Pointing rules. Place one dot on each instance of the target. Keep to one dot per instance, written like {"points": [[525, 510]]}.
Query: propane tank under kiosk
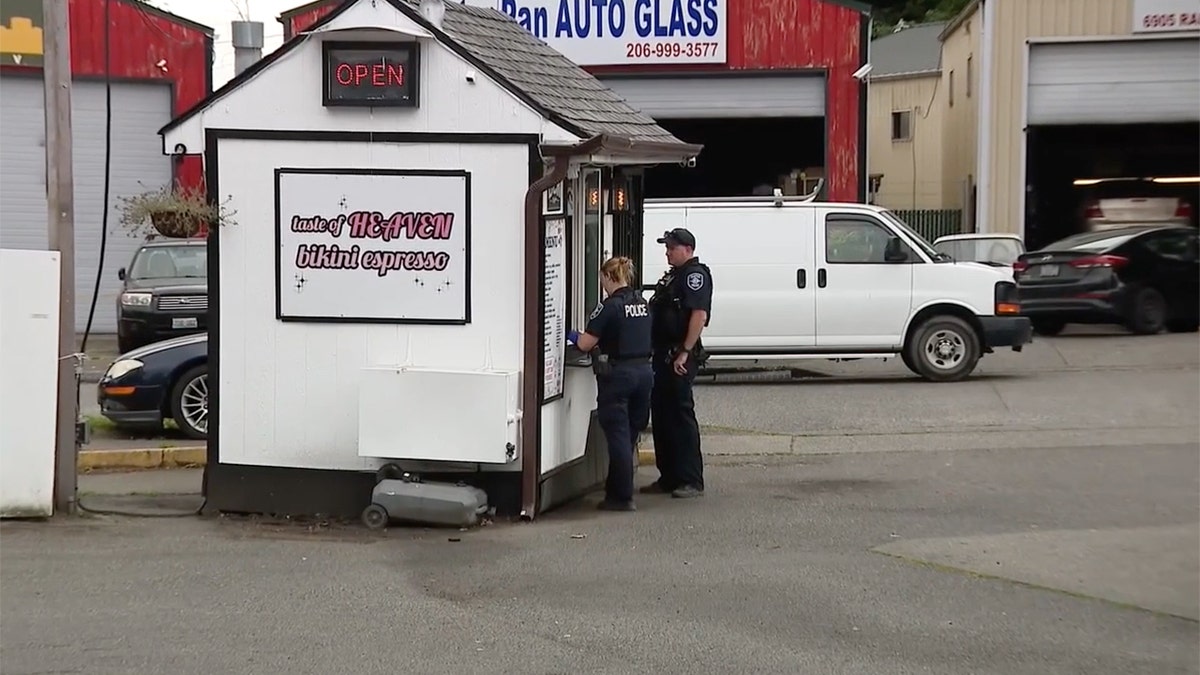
{"points": [[409, 365]]}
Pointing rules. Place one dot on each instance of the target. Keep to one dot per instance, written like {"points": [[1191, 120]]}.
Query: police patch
{"points": [[695, 281], [596, 312]]}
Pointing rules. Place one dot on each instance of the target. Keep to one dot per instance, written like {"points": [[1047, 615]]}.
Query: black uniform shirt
{"points": [[695, 286], [622, 324], [681, 290]]}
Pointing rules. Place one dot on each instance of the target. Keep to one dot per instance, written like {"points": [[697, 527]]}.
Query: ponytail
{"points": [[618, 269]]}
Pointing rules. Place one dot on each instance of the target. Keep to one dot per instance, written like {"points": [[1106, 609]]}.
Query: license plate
{"points": [[183, 322], [1049, 270]]}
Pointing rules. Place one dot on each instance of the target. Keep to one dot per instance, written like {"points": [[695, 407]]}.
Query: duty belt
{"points": [[642, 358]]}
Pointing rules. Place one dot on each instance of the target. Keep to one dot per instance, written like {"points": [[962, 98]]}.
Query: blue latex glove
{"points": [[573, 337]]}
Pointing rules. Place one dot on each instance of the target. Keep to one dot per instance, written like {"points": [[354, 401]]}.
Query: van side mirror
{"points": [[121, 274], [894, 251]]}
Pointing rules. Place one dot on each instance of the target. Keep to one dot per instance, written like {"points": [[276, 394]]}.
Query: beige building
{"points": [[1040, 99], [906, 121]]}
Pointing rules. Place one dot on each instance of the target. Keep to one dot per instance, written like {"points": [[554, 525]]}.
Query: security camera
{"points": [[471, 76], [689, 163], [862, 73]]}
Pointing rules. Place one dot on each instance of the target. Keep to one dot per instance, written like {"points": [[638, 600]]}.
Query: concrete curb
{"points": [[143, 458]]}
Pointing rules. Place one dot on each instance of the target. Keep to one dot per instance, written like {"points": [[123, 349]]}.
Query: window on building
{"points": [[950, 86], [902, 125], [970, 73]]}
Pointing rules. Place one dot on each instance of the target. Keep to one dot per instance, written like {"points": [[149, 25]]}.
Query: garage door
{"points": [[138, 164], [721, 97], [1124, 82]]}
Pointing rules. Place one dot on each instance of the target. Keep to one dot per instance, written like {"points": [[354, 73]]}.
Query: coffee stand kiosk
{"points": [[421, 195]]}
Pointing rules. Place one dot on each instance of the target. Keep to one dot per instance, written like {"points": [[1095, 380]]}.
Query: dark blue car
{"points": [[167, 379]]}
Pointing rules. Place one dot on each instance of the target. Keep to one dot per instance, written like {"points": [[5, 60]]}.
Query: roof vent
{"points": [[433, 11]]}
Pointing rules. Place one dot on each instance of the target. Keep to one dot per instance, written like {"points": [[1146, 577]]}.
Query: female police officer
{"points": [[620, 328]]}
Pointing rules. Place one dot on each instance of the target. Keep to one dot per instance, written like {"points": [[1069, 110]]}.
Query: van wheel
{"points": [[943, 349]]}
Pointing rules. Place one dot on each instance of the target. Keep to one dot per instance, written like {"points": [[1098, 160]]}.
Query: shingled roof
{"points": [[529, 68], [548, 77]]}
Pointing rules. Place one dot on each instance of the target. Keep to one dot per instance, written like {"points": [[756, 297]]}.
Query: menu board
{"points": [[554, 329]]}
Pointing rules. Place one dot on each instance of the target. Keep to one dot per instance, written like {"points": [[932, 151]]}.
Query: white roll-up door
{"points": [[138, 164], [1115, 82], [723, 96]]}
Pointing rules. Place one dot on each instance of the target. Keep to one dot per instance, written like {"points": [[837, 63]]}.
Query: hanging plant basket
{"points": [[171, 212], [174, 224]]}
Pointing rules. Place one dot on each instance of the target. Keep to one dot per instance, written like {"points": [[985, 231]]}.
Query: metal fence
{"points": [[933, 223]]}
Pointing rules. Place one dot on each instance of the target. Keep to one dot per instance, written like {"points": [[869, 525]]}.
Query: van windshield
{"points": [[920, 241]]}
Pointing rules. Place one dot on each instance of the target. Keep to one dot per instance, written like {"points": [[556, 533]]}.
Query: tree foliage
{"points": [[889, 13]]}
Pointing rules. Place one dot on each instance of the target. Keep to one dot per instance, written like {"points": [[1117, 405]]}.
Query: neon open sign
{"points": [[374, 74]]}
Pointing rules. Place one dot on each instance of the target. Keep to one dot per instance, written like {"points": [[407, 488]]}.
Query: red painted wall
{"points": [[139, 37], [769, 35], [296, 20]]}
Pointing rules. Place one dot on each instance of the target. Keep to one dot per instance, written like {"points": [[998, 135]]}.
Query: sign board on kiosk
{"points": [[372, 74], [624, 32], [347, 237]]}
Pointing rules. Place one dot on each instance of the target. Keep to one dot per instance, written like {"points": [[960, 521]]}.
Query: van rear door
{"points": [[762, 263]]}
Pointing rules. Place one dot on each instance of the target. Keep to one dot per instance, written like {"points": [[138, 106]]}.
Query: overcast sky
{"points": [[219, 13]]}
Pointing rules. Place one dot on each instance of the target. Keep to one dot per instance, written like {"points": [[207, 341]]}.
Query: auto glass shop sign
{"points": [[624, 32]]}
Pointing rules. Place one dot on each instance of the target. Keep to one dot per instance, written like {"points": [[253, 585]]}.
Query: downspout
{"points": [[531, 409], [983, 123]]}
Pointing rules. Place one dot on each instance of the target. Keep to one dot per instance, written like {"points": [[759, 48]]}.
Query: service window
{"points": [[593, 215], [860, 240], [587, 213]]}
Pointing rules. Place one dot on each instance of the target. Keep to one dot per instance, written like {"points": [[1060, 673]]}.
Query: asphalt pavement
{"points": [[1041, 517], [830, 564]]}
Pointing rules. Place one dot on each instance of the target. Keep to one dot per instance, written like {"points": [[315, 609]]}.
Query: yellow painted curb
{"points": [[143, 458]]}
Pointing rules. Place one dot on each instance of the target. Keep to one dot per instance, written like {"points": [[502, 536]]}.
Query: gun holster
{"points": [[601, 365]]}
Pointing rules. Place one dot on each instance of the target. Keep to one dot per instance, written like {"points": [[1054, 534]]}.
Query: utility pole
{"points": [[60, 211]]}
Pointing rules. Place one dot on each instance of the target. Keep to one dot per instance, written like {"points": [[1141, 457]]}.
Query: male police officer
{"points": [[679, 310]]}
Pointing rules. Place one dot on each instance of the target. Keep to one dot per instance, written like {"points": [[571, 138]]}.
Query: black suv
{"points": [[164, 294]]}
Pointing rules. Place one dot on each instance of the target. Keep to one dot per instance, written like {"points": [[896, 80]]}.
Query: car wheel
{"points": [[189, 402], [1148, 312], [1048, 327], [1183, 325], [944, 349]]}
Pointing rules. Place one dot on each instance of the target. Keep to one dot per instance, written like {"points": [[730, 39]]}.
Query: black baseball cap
{"points": [[678, 237]]}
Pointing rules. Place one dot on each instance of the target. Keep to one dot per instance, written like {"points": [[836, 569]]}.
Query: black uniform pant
{"points": [[676, 431], [623, 409]]}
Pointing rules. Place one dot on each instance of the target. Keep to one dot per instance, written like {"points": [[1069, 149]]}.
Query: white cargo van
{"points": [[795, 279]]}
